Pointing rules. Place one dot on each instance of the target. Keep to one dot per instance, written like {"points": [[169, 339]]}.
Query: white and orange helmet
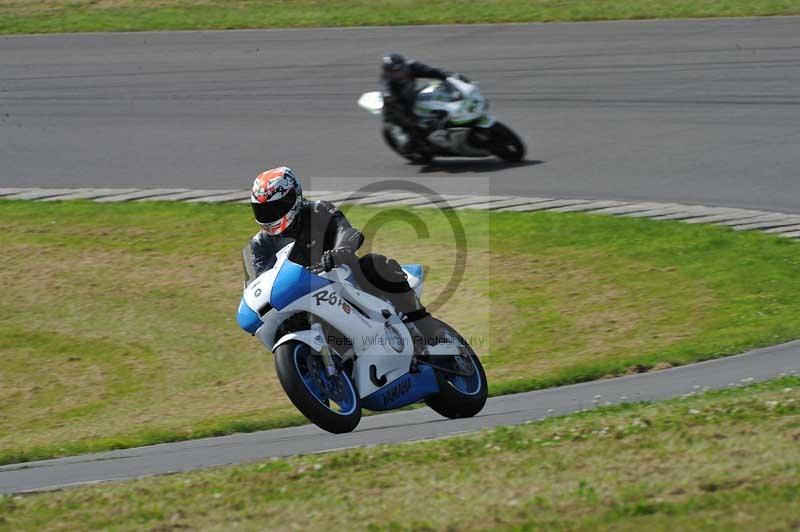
{"points": [[276, 199]]}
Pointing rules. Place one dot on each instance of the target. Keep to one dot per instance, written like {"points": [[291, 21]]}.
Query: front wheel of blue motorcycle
{"points": [[329, 401], [463, 388]]}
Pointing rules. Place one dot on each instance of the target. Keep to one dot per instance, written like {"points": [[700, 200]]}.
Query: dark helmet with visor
{"points": [[394, 67]]}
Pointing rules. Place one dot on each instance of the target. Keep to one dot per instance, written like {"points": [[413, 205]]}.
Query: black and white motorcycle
{"points": [[465, 129]]}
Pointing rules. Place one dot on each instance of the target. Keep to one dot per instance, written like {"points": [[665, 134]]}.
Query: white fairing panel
{"points": [[379, 336], [257, 293], [461, 101], [372, 102], [312, 339], [414, 281]]}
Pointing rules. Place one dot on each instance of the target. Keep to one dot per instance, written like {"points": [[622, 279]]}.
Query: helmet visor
{"points": [[272, 211]]}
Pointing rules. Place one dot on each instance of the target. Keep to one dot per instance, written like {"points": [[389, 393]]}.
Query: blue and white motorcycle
{"points": [[339, 349]]}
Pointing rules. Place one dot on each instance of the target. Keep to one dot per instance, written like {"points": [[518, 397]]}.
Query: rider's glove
{"points": [[334, 257], [327, 262], [462, 77]]}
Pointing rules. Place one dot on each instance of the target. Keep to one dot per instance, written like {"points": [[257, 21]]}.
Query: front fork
{"points": [[325, 351]]}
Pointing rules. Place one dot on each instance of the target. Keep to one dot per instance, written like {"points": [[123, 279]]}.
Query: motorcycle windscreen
{"points": [[293, 282]]}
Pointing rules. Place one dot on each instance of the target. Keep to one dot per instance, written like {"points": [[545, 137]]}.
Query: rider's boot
{"points": [[425, 331], [414, 147]]}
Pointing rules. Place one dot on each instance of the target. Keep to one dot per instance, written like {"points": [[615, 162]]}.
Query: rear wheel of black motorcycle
{"points": [[458, 396], [506, 144], [330, 402]]}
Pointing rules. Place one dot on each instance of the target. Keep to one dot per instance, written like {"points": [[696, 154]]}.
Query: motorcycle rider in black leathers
{"points": [[325, 239], [398, 87]]}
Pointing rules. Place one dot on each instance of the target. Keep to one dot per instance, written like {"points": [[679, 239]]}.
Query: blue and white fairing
{"points": [[381, 343], [414, 276]]}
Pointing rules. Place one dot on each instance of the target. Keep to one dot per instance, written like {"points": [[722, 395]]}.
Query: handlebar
{"points": [[316, 269], [340, 253]]}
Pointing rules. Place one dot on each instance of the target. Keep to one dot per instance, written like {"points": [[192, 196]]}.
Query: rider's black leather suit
{"points": [[319, 227], [399, 97]]}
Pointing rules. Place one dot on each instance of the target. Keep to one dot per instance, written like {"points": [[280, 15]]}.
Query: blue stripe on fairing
{"points": [[413, 269], [247, 318], [408, 389], [293, 282]]}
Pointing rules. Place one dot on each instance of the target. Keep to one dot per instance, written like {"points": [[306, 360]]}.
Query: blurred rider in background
{"points": [[324, 239], [398, 86]]}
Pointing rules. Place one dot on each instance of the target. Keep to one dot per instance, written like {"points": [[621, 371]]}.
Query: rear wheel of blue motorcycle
{"points": [[330, 402], [459, 396]]}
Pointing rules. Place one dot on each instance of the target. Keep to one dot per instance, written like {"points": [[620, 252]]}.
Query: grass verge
{"points": [[720, 461], [46, 16], [117, 322]]}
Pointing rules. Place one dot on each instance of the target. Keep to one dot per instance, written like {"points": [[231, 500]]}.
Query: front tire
{"points": [[459, 396], [506, 144], [417, 158], [330, 402]]}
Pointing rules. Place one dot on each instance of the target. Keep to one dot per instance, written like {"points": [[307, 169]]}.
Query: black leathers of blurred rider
{"points": [[399, 95]]}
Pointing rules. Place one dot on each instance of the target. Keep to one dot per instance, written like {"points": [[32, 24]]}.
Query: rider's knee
{"points": [[384, 273]]}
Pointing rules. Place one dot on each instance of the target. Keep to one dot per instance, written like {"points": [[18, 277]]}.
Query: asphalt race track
{"points": [[699, 112], [704, 111], [400, 426]]}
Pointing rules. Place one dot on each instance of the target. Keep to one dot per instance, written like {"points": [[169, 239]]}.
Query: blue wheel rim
{"points": [[472, 384], [335, 392], [466, 385]]}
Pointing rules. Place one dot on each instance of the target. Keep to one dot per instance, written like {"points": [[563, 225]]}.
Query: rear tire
{"points": [[304, 379], [459, 397], [506, 144]]}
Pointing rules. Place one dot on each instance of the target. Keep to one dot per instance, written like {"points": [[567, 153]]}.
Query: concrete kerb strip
{"points": [[590, 206], [92, 194], [543, 205], [731, 216], [140, 194], [630, 208], [39, 193], [505, 204], [787, 229], [239, 195], [782, 224], [767, 224], [188, 195]]}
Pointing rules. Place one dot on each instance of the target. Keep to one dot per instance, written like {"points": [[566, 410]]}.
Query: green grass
{"points": [[45, 16], [117, 322], [719, 461]]}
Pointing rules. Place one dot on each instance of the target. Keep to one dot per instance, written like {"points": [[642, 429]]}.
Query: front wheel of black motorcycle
{"points": [[462, 392], [506, 144], [329, 401], [421, 159]]}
